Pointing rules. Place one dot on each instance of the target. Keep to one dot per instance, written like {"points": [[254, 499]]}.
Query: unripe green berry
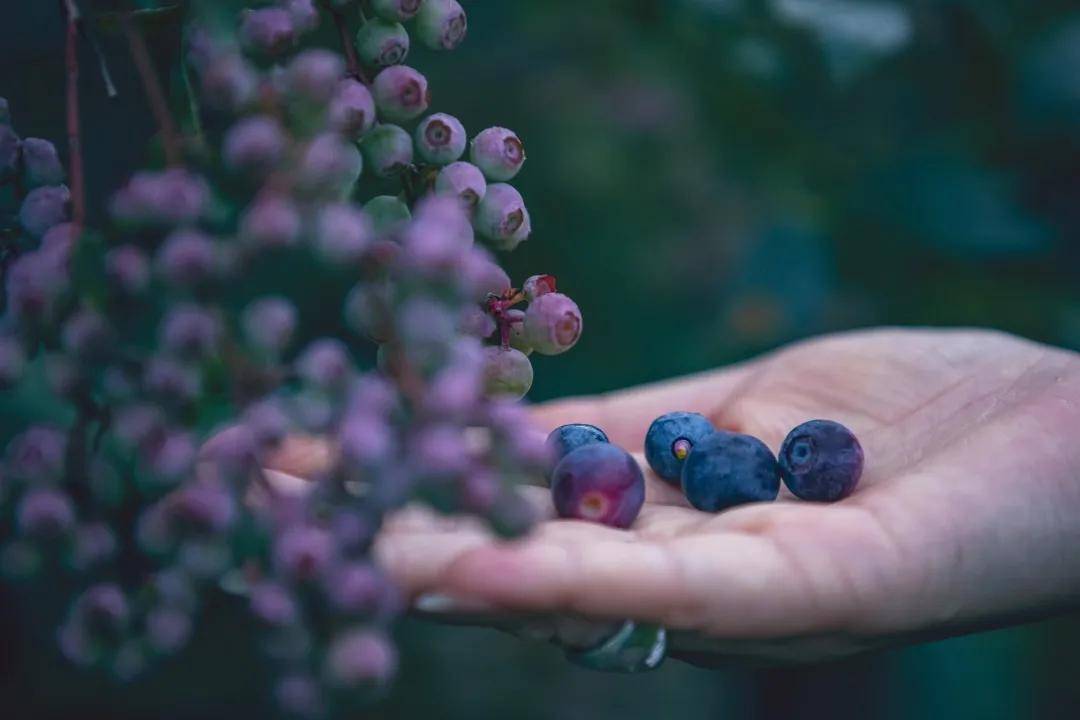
{"points": [[387, 213], [388, 150], [440, 139], [441, 24], [396, 10], [382, 43], [507, 372], [401, 93]]}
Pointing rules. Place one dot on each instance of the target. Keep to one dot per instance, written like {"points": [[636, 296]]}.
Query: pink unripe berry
{"points": [[382, 43], [187, 257], [498, 153], [127, 269], [352, 111], [388, 150], [440, 139], [401, 93], [464, 180], [361, 657], [272, 221], [325, 363], [481, 276], [343, 234], [507, 372], [538, 285], [267, 31], [441, 24], [41, 164], [269, 323], [501, 216], [552, 324], [313, 75], [396, 10], [170, 197], [255, 145], [329, 167]]}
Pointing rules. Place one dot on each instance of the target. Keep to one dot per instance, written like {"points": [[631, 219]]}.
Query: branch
{"points": [[170, 138], [351, 60], [78, 183]]}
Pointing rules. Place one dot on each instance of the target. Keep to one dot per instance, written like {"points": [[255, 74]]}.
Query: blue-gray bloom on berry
{"points": [[498, 153], [669, 440], [727, 469], [821, 460], [440, 139], [382, 43], [441, 24]]}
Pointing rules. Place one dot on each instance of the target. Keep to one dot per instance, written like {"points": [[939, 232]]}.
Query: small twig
{"points": [[103, 65], [193, 103], [352, 61], [78, 184], [170, 138]]}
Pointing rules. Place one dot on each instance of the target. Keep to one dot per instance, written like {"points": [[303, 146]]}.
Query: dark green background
{"points": [[708, 179]]}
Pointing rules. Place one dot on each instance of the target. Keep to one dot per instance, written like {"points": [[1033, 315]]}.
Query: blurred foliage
{"points": [[709, 179]]}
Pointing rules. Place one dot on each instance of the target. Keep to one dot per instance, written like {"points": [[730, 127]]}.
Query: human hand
{"points": [[966, 515]]}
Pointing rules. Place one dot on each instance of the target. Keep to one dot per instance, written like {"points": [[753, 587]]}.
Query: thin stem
{"points": [[103, 65], [352, 61], [74, 132], [170, 138], [193, 103]]}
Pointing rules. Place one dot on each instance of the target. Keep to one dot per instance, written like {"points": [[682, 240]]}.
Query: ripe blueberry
{"points": [[565, 439], [599, 482], [727, 469], [821, 460], [670, 439]]}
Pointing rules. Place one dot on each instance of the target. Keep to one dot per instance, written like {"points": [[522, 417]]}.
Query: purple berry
{"points": [[477, 322], [598, 482], [552, 324], [361, 657], [727, 469], [343, 234], [86, 335], [498, 152], [507, 372], [352, 111], [329, 167], [170, 197], [41, 164], [127, 269], [36, 455], [501, 216], [191, 332], [463, 180], [268, 31], [95, 544], [367, 311], [396, 10], [10, 151], [172, 458], [228, 82], [35, 282], [481, 276], [357, 589], [304, 14], [401, 93], [565, 439], [440, 139], [382, 43], [821, 461], [325, 363], [187, 257], [388, 150], [254, 145], [43, 208], [272, 604], [669, 440], [313, 76], [269, 323], [441, 24], [303, 553], [171, 381], [167, 629], [45, 515], [538, 285], [299, 696], [272, 221]]}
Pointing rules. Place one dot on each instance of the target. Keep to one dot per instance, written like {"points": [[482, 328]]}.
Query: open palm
{"points": [[966, 515]]}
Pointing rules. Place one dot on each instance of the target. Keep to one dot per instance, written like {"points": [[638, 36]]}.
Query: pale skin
{"points": [[967, 515]]}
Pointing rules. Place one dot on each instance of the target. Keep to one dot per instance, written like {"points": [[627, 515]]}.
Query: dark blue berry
{"points": [[727, 469], [565, 439], [670, 439], [821, 460], [601, 483]]}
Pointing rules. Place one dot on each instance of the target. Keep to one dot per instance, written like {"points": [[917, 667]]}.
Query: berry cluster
{"points": [[160, 334], [593, 480]]}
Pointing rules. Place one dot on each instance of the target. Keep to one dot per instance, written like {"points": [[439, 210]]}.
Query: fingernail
{"points": [[441, 604]]}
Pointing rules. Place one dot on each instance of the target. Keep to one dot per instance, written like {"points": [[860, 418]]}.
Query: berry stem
{"points": [[193, 101], [154, 94], [352, 61], [78, 184]]}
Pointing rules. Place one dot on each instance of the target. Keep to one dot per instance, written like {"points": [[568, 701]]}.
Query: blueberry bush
{"points": [[178, 355]]}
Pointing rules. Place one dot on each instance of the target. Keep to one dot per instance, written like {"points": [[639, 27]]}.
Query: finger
{"points": [[626, 414]]}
